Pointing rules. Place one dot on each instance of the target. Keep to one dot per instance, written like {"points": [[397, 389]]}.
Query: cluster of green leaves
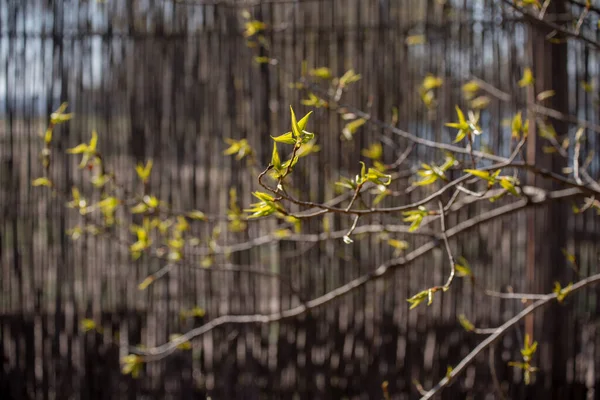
{"points": [[508, 183], [518, 127], [430, 173], [132, 364], [527, 353], [241, 148], [415, 217], [351, 127], [372, 175], [562, 292], [466, 128], [87, 150], [266, 206], [420, 297], [298, 135], [471, 91], [427, 89]]}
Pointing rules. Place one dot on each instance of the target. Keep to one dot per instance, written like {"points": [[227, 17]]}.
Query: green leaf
{"points": [[322, 73], [517, 125], [253, 27], [509, 186], [462, 268], [79, 149], [296, 131], [348, 78], [41, 182], [352, 127], [415, 217], [87, 325], [480, 174], [460, 135], [432, 82], [398, 244], [527, 79], [480, 103], [561, 293], [132, 365], [427, 180], [302, 123], [58, 116], [374, 151], [414, 40], [363, 170], [93, 142], [461, 116], [262, 60], [470, 89], [275, 160], [197, 215], [143, 171], [377, 177], [529, 348], [465, 323], [421, 297], [287, 138]]}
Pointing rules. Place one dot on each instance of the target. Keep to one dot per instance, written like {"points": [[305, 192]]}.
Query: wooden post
{"points": [[546, 227]]}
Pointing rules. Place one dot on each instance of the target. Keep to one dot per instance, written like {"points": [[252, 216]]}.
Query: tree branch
{"points": [[499, 332]]}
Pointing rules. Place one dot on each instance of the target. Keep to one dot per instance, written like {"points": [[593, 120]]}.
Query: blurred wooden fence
{"points": [[169, 80]]}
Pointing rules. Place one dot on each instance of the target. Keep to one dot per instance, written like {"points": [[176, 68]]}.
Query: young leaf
{"points": [[470, 89], [287, 138], [480, 174], [432, 82], [275, 160], [527, 79], [352, 127], [377, 177], [197, 215], [322, 73], [465, 323], [414, 40], [419, 298], [41, 182], [462, 268]]}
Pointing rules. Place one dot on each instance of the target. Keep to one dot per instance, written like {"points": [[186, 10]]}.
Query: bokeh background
{"points": [[169, 81]]}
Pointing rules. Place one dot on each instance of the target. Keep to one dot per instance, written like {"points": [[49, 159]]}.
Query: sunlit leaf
{"points": [[527, 79], [352, 127], [322, 73], [41, 182], [465, 323], [414, 40], [546, 94]]}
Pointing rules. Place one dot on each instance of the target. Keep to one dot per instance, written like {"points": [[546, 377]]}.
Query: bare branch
{"points": [[501, 331]]}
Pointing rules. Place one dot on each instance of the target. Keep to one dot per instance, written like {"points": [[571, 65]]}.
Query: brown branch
{"points": [[501, 331]]}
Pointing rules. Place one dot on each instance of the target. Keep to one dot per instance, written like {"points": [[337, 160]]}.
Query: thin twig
{"points": [[492, 364], [447, 245]]}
